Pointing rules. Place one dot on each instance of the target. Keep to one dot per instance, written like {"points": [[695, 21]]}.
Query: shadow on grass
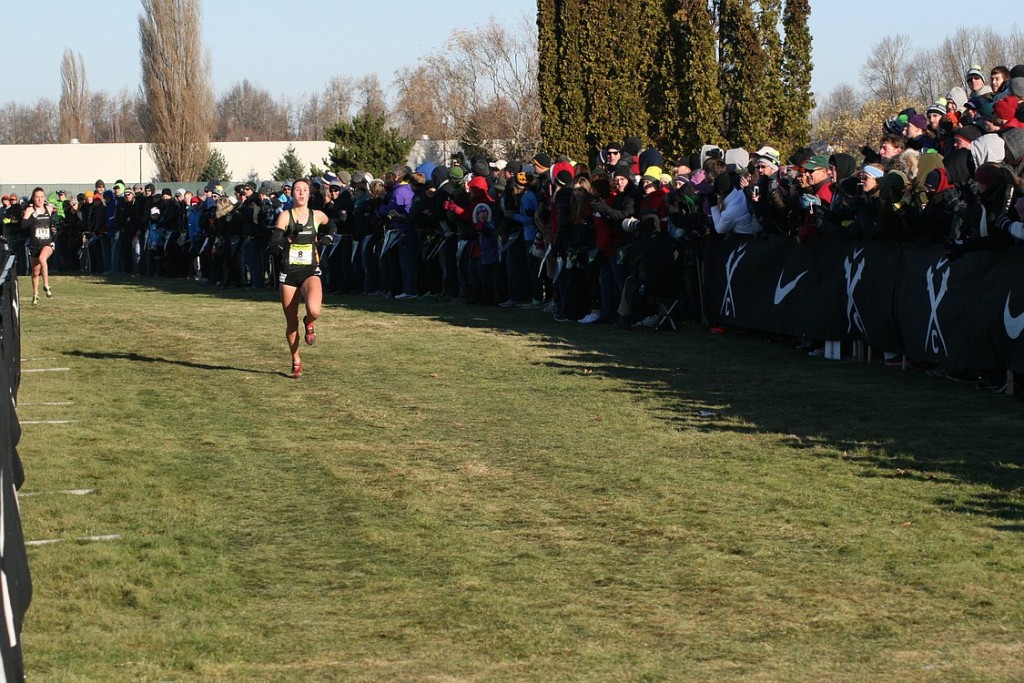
{"points": [[890, 422], [139, 358]]}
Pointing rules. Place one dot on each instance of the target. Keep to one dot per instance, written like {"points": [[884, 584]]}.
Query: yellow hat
{"points": [[653, 173]]}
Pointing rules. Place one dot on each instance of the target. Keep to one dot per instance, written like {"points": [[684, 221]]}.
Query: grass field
{"points": [[465, 494]]}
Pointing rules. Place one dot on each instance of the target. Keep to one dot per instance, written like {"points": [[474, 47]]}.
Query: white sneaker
{"points": [[406, 296], [650, 321], [590, 318]]}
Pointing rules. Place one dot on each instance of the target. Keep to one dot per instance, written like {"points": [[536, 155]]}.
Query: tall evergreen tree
{"points": [[692, 31], [690, 76], [661, 95], [768, 18], [553, 100], [594, 88], [794, 123], [742, 75]]}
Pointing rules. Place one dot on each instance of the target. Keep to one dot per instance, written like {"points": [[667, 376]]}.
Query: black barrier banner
{"points": [[966, 313], [869, 280], [15, 580], [825, 289]]}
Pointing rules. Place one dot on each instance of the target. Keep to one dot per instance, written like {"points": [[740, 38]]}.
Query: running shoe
{"points": [[35, 299], [296, 370], [310, 332], [49, 294]]}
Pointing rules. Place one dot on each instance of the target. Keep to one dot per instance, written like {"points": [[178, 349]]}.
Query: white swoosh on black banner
{"points": [[781, 292], [857, 253], [1014, 324]]}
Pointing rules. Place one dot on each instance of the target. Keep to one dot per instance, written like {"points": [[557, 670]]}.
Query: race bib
{"points": [[42, 233], [300, 255]]}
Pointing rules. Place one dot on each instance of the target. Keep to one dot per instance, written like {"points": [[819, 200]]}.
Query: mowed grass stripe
{"points": [[455, 493]]}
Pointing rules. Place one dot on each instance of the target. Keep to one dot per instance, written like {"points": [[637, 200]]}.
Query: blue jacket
{"points": [[527, 207]]}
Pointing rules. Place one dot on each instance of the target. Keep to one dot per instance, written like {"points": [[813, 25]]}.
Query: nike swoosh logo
{"points": [[857, 253], [781, 292], [942, 262], [1014, 324]]}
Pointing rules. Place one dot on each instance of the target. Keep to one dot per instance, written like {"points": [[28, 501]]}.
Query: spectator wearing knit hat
{"points": [[767, 201], [612, 156], [853, 213], [976, 86], [935, 113], [1004, 114], [918, 135]]}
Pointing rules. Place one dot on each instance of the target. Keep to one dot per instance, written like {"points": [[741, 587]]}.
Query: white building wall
{"points": [[75, 167], [68, 165]]}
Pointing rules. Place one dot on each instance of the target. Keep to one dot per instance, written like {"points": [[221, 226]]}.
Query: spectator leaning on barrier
{"points": [[731, 212], [817, 192], [397, 211], [513, 236]]}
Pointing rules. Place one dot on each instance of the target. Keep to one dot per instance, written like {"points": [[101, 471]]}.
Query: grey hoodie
{"points": [[958, 95]]}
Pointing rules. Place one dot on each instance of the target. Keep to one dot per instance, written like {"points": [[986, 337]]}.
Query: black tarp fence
{"points": [[15, 581], [912, 299]]}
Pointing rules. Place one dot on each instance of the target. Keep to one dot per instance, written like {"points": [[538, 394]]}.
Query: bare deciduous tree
{"points": [[848, 126], [417, 111], [321, 109], [74, 98], [178, 113], [484, 81], [967, 47], [1013, 47], [115, 119], [247, 111], [370, 98], [929, 79], [885, 73], [29, 124]]}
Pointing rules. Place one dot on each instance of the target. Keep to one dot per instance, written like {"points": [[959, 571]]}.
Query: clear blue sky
{"points": [[355, 38]]}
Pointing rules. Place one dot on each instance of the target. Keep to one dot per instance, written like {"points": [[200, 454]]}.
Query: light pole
{"points": [[140, 163]]}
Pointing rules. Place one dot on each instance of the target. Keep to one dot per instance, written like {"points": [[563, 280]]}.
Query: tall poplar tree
{"points": [[178, 100], [742, 75], [794, 112], [768, 18], [686, 75], [692, 30], [74, 98]]}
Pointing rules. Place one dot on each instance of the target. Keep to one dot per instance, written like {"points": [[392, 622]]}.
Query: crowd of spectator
{"points": [[593, 242]]}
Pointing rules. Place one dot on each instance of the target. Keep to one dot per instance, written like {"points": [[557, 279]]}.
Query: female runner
{"points": [[38, 221], [296, 235]]}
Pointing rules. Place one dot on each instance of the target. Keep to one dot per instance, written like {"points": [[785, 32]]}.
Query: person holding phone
{"points": [[38, 222]]}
